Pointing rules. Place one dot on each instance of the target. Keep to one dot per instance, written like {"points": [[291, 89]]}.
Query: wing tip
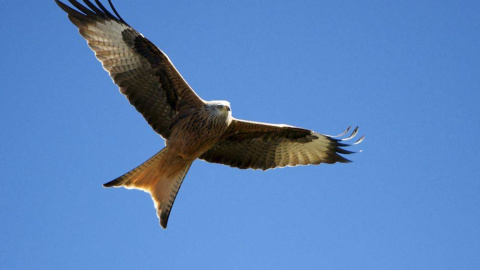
{"points": [[90, 10], [343, 160], [339, 142]]}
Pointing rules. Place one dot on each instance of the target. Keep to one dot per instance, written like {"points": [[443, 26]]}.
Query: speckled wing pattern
{"points": [[143, 72], [265, 146]]}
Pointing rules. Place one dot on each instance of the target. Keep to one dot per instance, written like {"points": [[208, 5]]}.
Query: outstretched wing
{"points": [[143, 72], [265, 146]]}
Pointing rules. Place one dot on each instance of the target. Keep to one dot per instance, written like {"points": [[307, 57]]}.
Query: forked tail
{"points": [[161, 176]]}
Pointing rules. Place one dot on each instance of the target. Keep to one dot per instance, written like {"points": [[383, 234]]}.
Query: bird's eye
{"points": [[228, 109]]}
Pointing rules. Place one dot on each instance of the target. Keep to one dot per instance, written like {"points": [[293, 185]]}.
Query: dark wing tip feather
{"points": [[339, 144], [83, 12], [107, 13], [93, 7], [342, 159], [341, 134], [354, 133], [116, 13], [81, 7], [345, 152], [359, 140], [70, 11]]}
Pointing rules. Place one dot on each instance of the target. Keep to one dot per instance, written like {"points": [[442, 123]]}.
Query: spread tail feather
{"points": [[136, 177], [161, 176], [164, 193]]}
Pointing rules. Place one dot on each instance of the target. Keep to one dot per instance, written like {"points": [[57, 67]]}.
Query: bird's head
{"points": [[220, 107]]}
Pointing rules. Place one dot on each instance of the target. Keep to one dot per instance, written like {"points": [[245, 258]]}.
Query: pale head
{"points": [[220, 108]]}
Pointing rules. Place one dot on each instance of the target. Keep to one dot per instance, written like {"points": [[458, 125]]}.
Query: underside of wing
{"points": [[265, 146], [143, 72]]}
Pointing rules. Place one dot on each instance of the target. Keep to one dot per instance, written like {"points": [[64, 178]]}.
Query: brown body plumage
{"points": [[193, 128]]}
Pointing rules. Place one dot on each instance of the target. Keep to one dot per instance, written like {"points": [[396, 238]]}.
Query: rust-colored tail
{"points": [[161, 176]]}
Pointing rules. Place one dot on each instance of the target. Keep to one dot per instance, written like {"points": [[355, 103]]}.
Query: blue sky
{"points": [[406, 72]]}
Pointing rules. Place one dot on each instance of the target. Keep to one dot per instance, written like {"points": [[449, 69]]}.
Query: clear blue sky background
{"points": [[406, 72]]}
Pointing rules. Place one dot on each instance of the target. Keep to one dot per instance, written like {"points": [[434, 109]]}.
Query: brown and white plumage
{"points": [[143, 72], [193, 128], [265, 146]]}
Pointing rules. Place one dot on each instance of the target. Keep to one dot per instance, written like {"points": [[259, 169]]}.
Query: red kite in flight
{"points": [[192, 127]]}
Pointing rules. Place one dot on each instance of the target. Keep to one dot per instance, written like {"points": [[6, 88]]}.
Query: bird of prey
{"points": [[192, 127]]}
